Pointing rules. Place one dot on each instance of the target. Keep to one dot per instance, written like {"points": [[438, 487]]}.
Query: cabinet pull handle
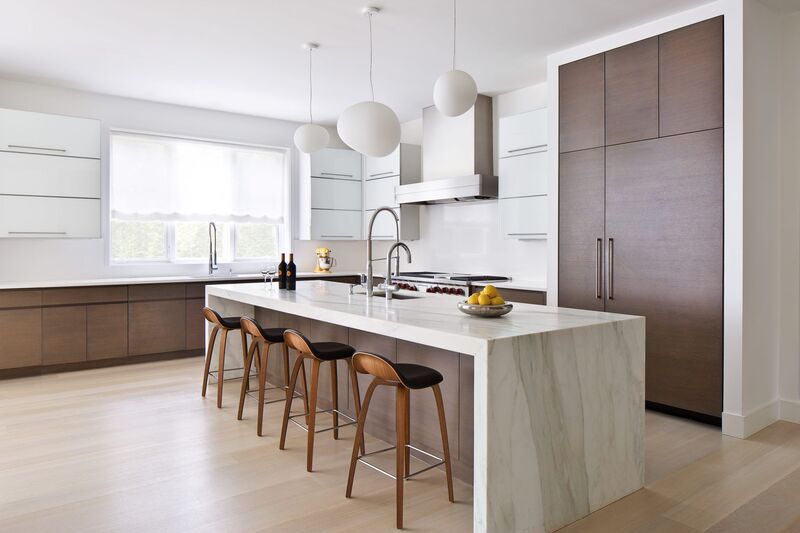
{"points": [[334, 174], [336, 236], [526, 233], [36, 148], [526, 148], [599, 269], [610, 269], [381, 174], [37, 232]]}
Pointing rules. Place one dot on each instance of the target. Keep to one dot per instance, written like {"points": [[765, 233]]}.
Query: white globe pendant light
{"points": [[454, 92], [311, 137], [370, 127]]}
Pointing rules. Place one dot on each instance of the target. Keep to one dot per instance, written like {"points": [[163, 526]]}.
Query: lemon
{"points": [[490, 291], [483, 299], [498, 300], [473, 299]]}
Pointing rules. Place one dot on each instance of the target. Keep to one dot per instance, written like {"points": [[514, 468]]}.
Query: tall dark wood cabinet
{"points": [[641, 217]]}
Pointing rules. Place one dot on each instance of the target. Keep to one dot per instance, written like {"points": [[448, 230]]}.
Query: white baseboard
{"points": [[790, 410], [742, 426]]}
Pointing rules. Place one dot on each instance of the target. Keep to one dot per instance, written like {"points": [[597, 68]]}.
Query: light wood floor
{"points": [[135, 448]]}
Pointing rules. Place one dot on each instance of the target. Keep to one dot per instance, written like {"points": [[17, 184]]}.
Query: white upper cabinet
{"points": [[336, 163], [525, 175], [31, 174], [49, 218], [381, 167], [524, 218], [335, 225], [40, 133], [335, 194], [523, 133], [380, 192]]}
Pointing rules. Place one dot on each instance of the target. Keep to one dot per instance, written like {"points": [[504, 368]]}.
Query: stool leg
{"points": [[207, 368], [263, 356], [221, 368], [335, 399], [400, 424], [244, 345], [312, 415], [356, 395], [285, 352], [358, 442], [305, 387], [246, 378], [407, 458], [437, 393], [288, 406]]}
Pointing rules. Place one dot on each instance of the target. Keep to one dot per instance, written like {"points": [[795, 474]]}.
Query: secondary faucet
{"points": [[369, 246], [387, 284], [212, 248]]}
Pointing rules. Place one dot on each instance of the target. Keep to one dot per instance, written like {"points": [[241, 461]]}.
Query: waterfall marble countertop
{"points": [[558, 406], [430, 319]]}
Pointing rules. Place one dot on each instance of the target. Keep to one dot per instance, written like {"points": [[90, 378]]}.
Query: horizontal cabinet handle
{"points": [[336, 236], [526, 148], [334, 174], [36, 148], [526, 234], [37, 232], [382, 174]]}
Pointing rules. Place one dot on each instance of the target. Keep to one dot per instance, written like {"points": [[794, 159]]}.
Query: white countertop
{"points": [[152, 279], [432, 320]]}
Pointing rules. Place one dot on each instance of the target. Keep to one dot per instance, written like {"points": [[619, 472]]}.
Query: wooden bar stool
{"points": [[225, 325], [261, 340], [318, 353], [405, 377]]}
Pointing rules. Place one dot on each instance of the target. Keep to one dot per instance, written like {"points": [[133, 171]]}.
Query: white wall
{"points": [[467, 238], [789, 370], [43, 259]]}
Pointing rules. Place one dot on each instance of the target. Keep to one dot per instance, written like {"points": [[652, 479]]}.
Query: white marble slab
{"points": [[559, 394]]}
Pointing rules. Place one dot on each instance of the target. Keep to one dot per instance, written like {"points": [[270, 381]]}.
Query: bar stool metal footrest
{"points": [[361, 460], [352, 422]]}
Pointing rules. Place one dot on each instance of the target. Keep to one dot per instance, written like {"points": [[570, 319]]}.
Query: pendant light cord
{"points": [[454, 34], [310, 88], [371, 85]]}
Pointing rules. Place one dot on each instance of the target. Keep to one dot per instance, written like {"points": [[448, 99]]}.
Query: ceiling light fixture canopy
{"points": [[370, 127], [311, 137], [454, 92]]}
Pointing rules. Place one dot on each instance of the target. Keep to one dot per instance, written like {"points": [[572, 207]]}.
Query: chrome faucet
{"points": [[387, 284], [369, 247], [212, 248]]}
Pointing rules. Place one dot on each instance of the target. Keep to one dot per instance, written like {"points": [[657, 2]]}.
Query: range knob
{"points": [[429, 289], [437, 290], [460, 292]]}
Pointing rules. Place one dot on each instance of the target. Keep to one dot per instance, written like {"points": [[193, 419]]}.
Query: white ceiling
{"points": [[244, 55]]}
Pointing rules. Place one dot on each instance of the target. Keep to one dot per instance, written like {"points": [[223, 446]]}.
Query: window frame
{"points": [[284, 232]]}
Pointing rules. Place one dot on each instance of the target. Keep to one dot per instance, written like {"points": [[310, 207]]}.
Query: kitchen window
{"points": [[166, 190]]}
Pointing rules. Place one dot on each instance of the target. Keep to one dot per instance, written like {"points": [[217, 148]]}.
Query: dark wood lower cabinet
{"points": [[64, 334], [20, 337], [156, 326], [195, 324], [106, 331]]}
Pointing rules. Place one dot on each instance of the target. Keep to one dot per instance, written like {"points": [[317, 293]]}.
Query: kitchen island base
{"points": [[556, 414]]}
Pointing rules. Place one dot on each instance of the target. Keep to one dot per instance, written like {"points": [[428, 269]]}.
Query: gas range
{"points": [[442, 282]]}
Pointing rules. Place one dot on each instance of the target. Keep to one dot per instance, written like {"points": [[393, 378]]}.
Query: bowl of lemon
{"points": [[486, 304]]}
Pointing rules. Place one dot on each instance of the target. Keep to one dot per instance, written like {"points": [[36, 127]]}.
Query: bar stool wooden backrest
{"points": [[218, 324], [385, 373]]}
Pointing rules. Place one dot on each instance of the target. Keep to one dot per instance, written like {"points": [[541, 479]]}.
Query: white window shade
{"points": [[163, 178]]}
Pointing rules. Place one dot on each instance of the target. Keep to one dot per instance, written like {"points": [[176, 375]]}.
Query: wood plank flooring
{"points": [[135, 448]]}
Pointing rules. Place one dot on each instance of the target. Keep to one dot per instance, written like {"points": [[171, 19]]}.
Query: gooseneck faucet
{"points": [[387, 284], [212, 248], [369, 245]]}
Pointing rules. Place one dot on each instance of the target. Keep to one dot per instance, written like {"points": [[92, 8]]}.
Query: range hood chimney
{"points": [[457, 158]]}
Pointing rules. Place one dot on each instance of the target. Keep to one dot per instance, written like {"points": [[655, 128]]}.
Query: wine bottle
{"points": [[282, 272], [291, 274]]}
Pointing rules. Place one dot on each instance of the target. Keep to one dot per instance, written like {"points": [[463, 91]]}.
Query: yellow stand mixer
{"points": [[324, 260]]}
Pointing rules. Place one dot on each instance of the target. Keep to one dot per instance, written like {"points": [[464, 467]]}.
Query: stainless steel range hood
{"points": [[457, 158]]}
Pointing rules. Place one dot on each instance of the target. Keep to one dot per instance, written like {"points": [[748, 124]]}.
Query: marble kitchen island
{"points": [[557, 412]]}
